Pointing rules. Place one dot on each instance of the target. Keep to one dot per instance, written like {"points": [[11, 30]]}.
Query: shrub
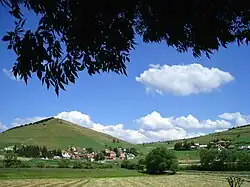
{"points": [[41, 165], [88, 165], [23, 165], [64, 163], [129, 164], [77, 165]]}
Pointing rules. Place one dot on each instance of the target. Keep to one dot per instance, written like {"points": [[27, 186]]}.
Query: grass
{"points": [[57, 133], [182, 179], [40, 173]]}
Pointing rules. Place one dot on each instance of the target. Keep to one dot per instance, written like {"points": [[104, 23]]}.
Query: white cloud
{"points": [[117, 130], [170, 134], [2, 127], [151, 127], [76, 117], [9, 74], [154, 121], [237, 117], [22, 121], [183, 79]]}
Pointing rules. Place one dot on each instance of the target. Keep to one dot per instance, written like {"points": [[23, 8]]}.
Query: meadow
{"points": [[119, 178]]}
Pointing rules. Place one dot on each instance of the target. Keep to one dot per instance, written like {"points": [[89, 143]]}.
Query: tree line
{"points": [[224, 160], [37, 152]]}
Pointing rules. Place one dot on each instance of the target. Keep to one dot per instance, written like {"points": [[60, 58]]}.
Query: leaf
{"points": [[6, 38], [57, 90], [61, 86], [9, 46]]}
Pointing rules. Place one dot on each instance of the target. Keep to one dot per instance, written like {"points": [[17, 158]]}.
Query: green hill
{"points": [[57, 133], [237, 136]]}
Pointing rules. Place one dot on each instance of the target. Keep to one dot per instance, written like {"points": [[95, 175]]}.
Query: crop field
{"points": [[183, 180]]}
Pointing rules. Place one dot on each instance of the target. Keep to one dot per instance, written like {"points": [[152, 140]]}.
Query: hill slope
{"points": [[57, 133], [238, 136]]}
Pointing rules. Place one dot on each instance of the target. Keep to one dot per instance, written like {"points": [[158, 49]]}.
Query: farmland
{"points": [[182, 179]]}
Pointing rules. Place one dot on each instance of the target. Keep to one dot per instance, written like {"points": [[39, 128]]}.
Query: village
{"points": [[100, 155]]}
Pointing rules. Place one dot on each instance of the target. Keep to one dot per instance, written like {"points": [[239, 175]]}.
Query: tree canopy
{"points": [[159, 160], [98, 36]]}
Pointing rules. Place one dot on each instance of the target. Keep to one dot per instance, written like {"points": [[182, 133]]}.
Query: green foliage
{"points": [[201, 26], [99, 156], [117, 152], [159, 160], [64, 163], [90, 150], [10, 160], [182, 146], [224, 160], [133, 150], [129, 164], [77, 165], [41, 165], [235, 181]]}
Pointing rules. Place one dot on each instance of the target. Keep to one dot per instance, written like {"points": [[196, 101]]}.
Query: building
{"points": [[130, 156], [66, 155], [111, 155], [122, 156], [202, 146], [10, 148], [245, 147]]}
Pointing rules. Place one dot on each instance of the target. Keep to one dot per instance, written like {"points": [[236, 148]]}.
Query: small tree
{"points": [[64, 163], [10, 160], [178, 146], [89, 150], [159, 160], [99, 156]]}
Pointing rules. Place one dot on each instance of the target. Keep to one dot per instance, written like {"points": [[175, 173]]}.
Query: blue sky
{"points": [[179, 96]]}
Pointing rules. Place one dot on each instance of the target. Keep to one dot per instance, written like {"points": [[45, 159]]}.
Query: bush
{"points": [[129, 164], [23, 165], [10, 160], [159, 160], [77, 165], [88, 165], [64, 163], [41, 165]]}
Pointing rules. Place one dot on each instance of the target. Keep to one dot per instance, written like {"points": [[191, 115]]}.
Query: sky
{"points": [[166, 95]]}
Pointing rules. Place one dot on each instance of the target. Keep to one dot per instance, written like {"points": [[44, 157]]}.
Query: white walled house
{"points": [[66, 155]]}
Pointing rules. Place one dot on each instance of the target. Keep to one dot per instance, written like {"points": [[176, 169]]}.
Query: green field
{"points": [[70, 177], [57, 133]]}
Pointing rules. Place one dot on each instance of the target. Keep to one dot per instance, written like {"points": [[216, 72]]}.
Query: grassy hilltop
{"points": [[57, 133]]}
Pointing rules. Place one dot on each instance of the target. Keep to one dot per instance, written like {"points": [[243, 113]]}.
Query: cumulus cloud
{"points": [[155, 121], [9, 74], [237, 117], [183, 79], [117, 130], [151, 127]]}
